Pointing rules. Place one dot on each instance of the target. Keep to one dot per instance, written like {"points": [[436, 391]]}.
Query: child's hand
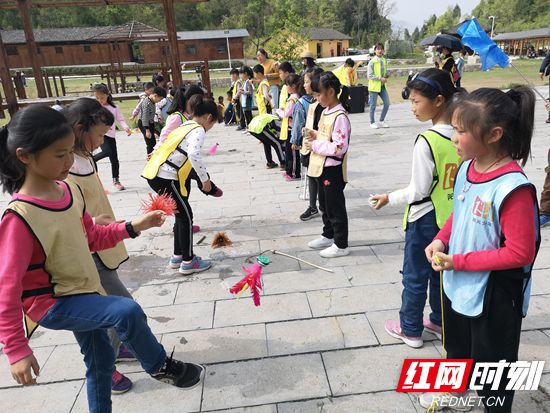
{"points": [[307, 144], [207, 186], [442, 261], [312, 135], [21, 370], [104, 219], [149, 220], [379, 200], [295, 147], [128, 131]]}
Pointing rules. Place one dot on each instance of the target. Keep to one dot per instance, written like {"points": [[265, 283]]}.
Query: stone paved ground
{"points": [[317, 342]]}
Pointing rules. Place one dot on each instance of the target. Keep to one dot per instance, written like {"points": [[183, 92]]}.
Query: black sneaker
{"points": [[180, 374], [271, 165], [309, 214]]}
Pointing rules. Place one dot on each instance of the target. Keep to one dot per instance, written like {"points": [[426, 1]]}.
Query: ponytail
{"points": [[201, 105], [523, 125], [32, 130]]}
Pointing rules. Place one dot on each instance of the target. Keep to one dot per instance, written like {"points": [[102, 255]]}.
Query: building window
{"points": [[12, 50], [87, 49], [222, 48], [58, 50], [319, 49], [191, 49]]}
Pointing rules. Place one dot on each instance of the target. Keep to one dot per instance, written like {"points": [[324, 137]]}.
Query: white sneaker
{"points": [[435, 402], [384, 125], [319, 243], [333, 251], [374, 125]]}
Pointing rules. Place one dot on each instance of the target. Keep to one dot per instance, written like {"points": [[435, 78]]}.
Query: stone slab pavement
{"points": [[317, 342]]}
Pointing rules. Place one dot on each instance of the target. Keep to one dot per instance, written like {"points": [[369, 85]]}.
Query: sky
{"points": [[411, 13]]}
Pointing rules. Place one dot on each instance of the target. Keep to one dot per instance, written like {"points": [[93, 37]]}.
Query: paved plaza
{"points": [[317, 343]]}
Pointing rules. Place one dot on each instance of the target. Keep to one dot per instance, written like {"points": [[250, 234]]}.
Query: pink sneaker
{"points": [[432, 328], [196, 229], [393, 328]]}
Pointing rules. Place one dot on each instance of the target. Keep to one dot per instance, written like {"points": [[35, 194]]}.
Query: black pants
{"points": [[332, 205], [149, 142], [183, 227], [491, 337], [193, 176], [270, 140], [108, 149], [313, 184], [293, 165], [246, 117], [457, 83]]}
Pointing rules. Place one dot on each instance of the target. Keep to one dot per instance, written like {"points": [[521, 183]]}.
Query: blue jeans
{"points": [[372, 103], [274, 92], [417, 275], [88, 316]]}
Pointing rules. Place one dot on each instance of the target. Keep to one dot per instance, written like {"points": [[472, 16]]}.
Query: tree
{"points": [[416, 35], [407, 35]]}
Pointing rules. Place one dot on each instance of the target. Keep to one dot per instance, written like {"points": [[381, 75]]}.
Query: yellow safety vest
{"points": [[97, 203], [63, 239], [161, 154], [260, 97], [309, 124], [453, 68], [285, 121], [376, 85], [316, 161], [446, 165]]}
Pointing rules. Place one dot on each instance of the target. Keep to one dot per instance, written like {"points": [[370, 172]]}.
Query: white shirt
{"points": [[423, 169], [82, 165], [192, 145]]}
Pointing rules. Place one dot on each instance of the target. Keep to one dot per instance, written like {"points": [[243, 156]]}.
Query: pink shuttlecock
{"points": [[213, 149], [162, 202]]}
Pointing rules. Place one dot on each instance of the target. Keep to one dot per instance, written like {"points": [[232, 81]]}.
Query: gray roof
{"points": [[130, 30], [527, 34], [325, 34], [212, 34]]}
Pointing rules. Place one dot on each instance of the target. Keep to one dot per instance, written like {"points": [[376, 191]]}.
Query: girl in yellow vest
{"points": [[293, 85], [47, 272], [429, 200], [88, 119], [236, 87], [169, 171], [285, 69], [263, 98], [271, 73], [377, 72], [328, 163]]}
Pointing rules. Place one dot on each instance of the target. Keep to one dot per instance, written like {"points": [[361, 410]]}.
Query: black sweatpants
{"points": [[491, 337], [332, 205], [109, 149], [313, 184], [183, 227], [151, 142], [293, 165], [246, 117], [270, 140]]}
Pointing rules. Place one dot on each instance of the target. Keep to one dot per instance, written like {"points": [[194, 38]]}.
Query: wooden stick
{"points": [[201, 240], [301, 260]]}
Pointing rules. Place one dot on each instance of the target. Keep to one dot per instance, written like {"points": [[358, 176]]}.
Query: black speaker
{"points": [[357, 97]]}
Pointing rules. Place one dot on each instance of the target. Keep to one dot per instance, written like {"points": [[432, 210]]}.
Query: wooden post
{"points": [[206, 77], [55, 85], [169, 14], [2, 114], [24, 9], [19, 88], [62, 82], [48, 86], [7, 84]]}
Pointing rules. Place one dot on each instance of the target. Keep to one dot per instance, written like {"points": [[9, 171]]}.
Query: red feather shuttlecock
{"points": [[213, 149], [159, 202], [252, 280]]}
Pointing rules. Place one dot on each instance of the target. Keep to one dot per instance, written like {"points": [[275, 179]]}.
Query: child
{"points": [[377, 72], [236, 90], [311, 87], [246, 95], [88, 120], [146, 123], [284, 70], [221, 109], [459, 68], [229, 114], [429, 199], [47, 271], [328, 163], [487, 247], [167, 105], [293, 85], [108, 148], [169, 171], [263, 98]]}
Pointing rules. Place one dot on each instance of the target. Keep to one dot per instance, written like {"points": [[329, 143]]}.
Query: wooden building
{"points": [[201, 45], [518, 43], [326, 42]]}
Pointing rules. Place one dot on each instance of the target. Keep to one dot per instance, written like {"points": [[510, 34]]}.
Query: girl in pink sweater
{"points": [[47, 271]]}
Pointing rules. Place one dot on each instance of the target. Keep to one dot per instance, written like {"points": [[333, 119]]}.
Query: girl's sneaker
{"points": [[118, 185], [175, 261], [197, 264], [435, 402], [124, 354], [180, 374], [120, 383], [309, 214], [271, 165], [196, 229], [393, 328], [320, 243], [432, 328], [334, 252]]}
